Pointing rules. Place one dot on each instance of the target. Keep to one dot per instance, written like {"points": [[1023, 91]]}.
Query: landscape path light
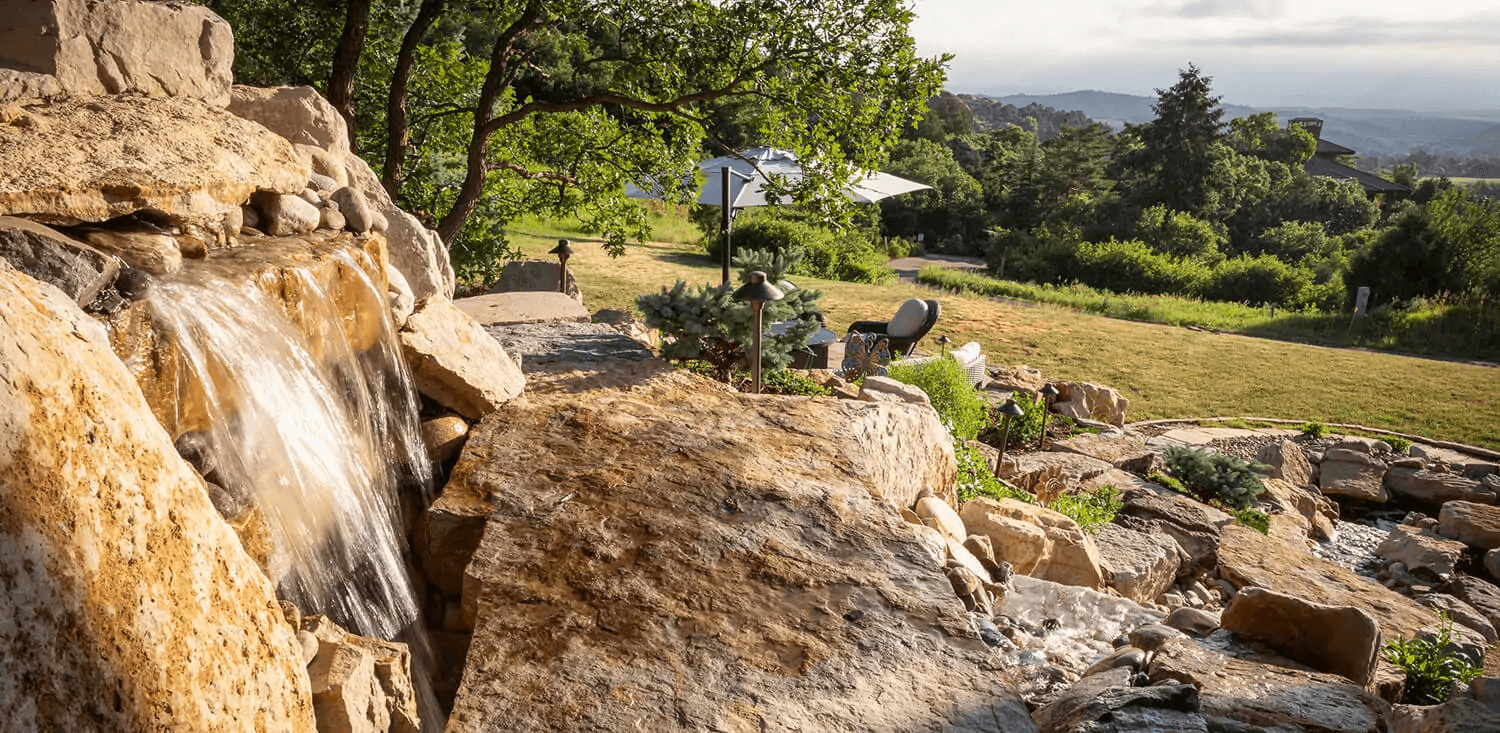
{"points": [[943, 342], [563, 250], [1048, 392], [756, 292], [1010, 409]]}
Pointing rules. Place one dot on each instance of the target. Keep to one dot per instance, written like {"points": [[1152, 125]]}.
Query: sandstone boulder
{"points": [[1316, 511], [1107, 703], [1491, 562], [1124, 453], [690, 558], [1089, 401], [1076, 469], [359, 684], [1435, 488], [1285, 460], [505, 309], [116, 47], [129, 603], [885, 389], [1250, 695], [1011, 379], [1192, 525], [1423, 552], [89, 160], [1476, 525], [299, 114], [1340, 640], [521, 276], [1068, 554], [936, 513], [1460, 715], [1462, 614], [1482, 595], [456, 363], [1352, 473], [1137, 565], [53, 258]]}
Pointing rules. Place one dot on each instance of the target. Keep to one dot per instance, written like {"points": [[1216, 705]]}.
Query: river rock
{"points": [[286, 214], [456, 363], [668, 554], [58, 260], [1423, 552], [1195, 621], [149, 252], [117, 47], [1286, 461], [1339, 640], [1244, 695], [1352, 473], [1435, 488], [1476, 525], [1089, 401], [1122, 452], [1459, 715], [356, 210], [1138, 566], [1068, 554], [936, 513], [1462, 614], [102, 158], [1107, 703], [444, 437], [129, 604]]}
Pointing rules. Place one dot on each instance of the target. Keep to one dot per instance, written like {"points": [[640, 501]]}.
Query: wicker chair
{"points": [[912, 321]]}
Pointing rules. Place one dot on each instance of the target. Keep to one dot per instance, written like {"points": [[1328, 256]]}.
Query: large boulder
{"points": [[1354, 474], [1434, 488], [1340, 640], [1107, 703], [1476, 525], [56, 259], [298, 114], [1482, 595], [90, 160], [1089, 401], [1459, 715], [1068, 554], [129, 603], [1422, 551], [1194, 526], [1251, 695], [676, 556], [522, 276], [456, 363], [77, 47], [1462, 614], [1074, 468], [1137, 565], [1298, 500], [1285, 460], [1124, 453]]}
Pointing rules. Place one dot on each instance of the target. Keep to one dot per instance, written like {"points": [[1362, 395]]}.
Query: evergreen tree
{"points": [[1175, 159]]}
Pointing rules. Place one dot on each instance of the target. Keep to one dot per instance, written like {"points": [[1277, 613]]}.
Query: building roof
{"points": [[1372, 183], [1332, 149]]}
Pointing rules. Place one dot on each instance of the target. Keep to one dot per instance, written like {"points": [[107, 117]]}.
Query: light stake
{"points": [[1048, 392], [1010, 409], [563, 252], [756, 291]]}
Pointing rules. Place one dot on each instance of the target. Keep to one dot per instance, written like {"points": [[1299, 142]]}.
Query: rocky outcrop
{"points": [[1312, 511], [1036, 540], [129, 604], [1460, 715], [1193, 526], [456, 363], [359, 684], [1462, 614], [1434, 488], [682, 557], [89, 160], [1477, 525], [1137, 565], [1423, 552], [1481, 595], [1354, 474], [76, 47], [1285, 460], [1089, 401], [1074, 468], [58, 260], [1107, 703], [1124, 453], [1338, 640]]}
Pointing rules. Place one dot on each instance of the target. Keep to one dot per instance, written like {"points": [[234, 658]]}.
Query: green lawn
{"points": [[1166, 371]]}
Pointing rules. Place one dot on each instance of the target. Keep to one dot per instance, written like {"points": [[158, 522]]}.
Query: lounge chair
{"points": [[912, 321]]}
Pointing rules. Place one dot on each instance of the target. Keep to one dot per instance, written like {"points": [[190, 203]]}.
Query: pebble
{"points": [[1354, 546]]}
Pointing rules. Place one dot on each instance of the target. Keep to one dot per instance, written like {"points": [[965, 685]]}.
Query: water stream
{"points": [[310, 417]]}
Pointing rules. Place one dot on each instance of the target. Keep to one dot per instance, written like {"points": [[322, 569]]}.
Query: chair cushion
{"points": [[908, 319]]}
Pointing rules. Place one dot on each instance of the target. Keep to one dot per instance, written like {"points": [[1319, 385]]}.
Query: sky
{"points": [[1434, 55]]}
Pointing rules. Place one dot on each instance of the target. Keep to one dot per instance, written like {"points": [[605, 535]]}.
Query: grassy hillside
{"points": [[1165, 371]]}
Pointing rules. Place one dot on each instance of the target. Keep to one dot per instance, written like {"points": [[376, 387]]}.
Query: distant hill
{"points": [[1372, 132], [990, 114]]}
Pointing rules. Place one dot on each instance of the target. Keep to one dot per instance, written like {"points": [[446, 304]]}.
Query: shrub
{"points": [[1091, 509], [1315, 430], [1215, 476], [1028, 427], [1262, 279], [1398, 444], [960, 406], [1132, 266], [850, 257], [1161, 479], [1431, 664], [787, 381], [1254, 519]]}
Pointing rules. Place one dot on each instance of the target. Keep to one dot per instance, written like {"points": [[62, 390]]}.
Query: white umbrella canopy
{"points": [[750, 172], [748, 175]]}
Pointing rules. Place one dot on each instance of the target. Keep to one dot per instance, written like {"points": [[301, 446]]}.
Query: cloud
{"points": [[1262, 9], [1480, 28]]}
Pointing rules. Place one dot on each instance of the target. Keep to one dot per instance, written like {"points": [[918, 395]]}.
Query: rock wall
{"points": [[51, 48], [129, 603]]}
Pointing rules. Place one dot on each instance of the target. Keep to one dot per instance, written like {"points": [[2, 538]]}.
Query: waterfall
{"points": [[307, 412]]}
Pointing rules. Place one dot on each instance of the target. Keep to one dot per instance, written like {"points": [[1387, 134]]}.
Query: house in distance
{"points": [[1325, 161]]}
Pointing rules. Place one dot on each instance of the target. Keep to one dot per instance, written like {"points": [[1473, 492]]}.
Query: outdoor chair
{"points": [[912, 321]]}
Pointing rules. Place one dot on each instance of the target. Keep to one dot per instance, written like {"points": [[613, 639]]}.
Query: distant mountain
{"points": [[990, 114], [1372, 132]]}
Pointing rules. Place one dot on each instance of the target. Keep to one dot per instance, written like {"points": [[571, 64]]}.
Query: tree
{"points": [[1177, 150], [951, 209], [477, 112]]}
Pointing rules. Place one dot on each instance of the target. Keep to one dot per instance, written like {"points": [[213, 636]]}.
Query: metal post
{"points": [[728, 220], [755, 315], [1004, 444]]}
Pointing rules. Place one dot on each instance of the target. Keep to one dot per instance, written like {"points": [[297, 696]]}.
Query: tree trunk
{"points": [[346, 61], [397, 135]]}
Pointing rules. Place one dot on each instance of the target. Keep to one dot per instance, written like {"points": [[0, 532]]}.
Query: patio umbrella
{"points": [[741, 181]]}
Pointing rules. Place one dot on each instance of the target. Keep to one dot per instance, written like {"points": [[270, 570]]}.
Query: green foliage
{"points": [[1091, 509], [1215, 476], [1254, 519], [1263, 279], [960, 406], [1431, 663], [1133, 266], [816, 251], [708, 324], [1028, 427], [1161, 479], [952, 208], [1398, 444], [1178, 149], [1315, 430], [792, 382], [1179, 234]]}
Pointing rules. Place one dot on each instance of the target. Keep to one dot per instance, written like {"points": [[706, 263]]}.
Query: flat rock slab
{"points": [[567, 344], [501, 309], [1126, 453], [677, 558], [1204, 436], [1076, 468], [456, 362]]}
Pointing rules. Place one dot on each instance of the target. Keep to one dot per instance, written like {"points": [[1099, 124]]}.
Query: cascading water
{"points": [[310, 417]]}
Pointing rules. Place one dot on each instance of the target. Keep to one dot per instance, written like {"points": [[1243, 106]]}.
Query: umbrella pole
{"points": [[724, 207]]}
